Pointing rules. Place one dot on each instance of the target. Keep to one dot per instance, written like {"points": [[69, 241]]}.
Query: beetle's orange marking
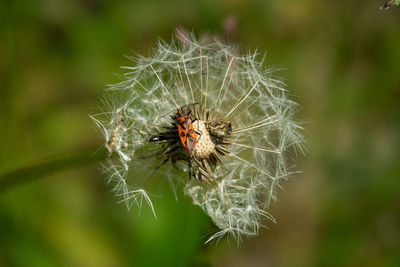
{"points": [[186, 132]]}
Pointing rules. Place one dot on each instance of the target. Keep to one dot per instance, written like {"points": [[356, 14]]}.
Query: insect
{"points": [[187, 133], [177, 139]]}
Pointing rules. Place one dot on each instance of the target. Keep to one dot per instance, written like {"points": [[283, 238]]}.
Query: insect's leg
{"points": [[191, 170], [155, 169], [171, 148], [173, 161]]}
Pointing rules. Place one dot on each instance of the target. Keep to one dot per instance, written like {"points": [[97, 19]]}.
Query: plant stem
{"points": [[53, 165]]}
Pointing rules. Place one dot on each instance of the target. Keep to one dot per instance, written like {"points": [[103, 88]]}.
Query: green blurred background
{"points": [[341, 60]]}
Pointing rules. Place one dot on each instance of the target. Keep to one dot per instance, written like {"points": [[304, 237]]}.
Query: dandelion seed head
{"points": [[246, 132], [205, 146]]}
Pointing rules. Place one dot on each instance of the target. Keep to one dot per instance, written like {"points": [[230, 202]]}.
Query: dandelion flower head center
{"points": [[205, 146]]}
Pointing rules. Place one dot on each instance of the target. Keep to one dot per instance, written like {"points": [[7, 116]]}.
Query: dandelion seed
{"points": [[219, 118], [390, 3]]}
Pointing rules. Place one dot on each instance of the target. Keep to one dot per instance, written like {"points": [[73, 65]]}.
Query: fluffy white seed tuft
{"points": [[237, 89]]}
